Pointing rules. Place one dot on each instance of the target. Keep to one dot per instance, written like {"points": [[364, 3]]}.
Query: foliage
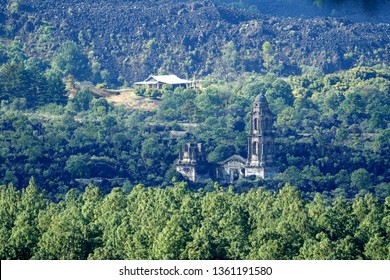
{"points": [[14, 5], [28, 84], [268, 52], [329, 137], [70, 60], [332, 138], [177, 223], [227, 41]]}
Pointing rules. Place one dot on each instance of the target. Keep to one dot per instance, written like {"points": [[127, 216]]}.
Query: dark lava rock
{"points": [[133, 39]]}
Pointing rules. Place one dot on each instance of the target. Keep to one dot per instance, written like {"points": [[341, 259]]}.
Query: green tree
{"points": [[114, 225], [280, 226], [31, 84], [82, 100], [77, 166], [369, 231], [92, 199], [268, 54], [320, 248], [171, 241], [9, 200], [377, 248], [67, 237], [328, 239], [14, 5], [56, 92], [70, 60], [25, 233], [279, 96], [386, 223], [223, 233], [230, 55], [360, 180], [221, 152], [15, 81]]}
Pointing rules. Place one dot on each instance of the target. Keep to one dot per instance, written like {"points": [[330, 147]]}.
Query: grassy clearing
{"points": [[130, 100]]}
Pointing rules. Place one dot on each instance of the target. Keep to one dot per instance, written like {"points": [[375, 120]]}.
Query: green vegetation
{"points": [[177, 223], [148, 92], [331, 133], [86, 163], [25, 85], [70, 60], [268, 52], [102, 49], [14, 5]]}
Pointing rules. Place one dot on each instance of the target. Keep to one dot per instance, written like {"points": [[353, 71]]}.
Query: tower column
{"points": [[260, 140]]}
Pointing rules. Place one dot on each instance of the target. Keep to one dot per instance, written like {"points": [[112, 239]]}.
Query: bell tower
{"points": [[192, 163], [260, 161]]}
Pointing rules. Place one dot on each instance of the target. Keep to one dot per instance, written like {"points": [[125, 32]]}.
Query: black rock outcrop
{"points": [[132, 39]]}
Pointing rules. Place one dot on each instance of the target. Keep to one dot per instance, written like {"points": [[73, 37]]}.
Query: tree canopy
{"points": [[178, 223]]}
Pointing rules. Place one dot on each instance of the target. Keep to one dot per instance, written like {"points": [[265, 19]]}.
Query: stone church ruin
{"points": [[259, 163]]}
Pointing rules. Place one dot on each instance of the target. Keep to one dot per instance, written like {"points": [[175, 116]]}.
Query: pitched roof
{"points": [[234, 158], [165, 79]]}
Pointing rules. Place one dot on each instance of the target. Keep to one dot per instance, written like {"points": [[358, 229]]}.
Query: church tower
{"points": [[192, 163], [260, 161]]}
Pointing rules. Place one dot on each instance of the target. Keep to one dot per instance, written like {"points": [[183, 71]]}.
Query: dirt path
{"points": [[132, 101]]}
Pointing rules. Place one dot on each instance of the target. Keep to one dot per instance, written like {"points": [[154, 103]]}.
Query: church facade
{"points": [[259, 163]]}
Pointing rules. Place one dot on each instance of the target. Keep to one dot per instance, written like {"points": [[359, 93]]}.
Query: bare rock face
{"points": [[132, 39], [375, 11]]}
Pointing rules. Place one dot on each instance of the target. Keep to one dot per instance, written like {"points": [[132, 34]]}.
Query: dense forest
{"points": [[177, 223], [332, 132], [81, 178]]}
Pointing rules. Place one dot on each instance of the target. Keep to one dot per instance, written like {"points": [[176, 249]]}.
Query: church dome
{"points": [[260, 98]]}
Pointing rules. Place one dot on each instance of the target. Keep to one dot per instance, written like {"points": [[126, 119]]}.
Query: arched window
{"points": [[256, 124], [254, 148]]}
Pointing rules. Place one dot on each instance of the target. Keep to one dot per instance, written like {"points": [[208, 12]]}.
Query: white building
{"points": [[157, 82]]}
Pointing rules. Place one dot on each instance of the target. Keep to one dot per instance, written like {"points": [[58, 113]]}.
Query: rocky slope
{"points": [[132, 39], [376, 11]]}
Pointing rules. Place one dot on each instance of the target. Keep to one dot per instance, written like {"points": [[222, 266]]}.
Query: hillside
{"points": [[376, 11], [125, 41]]}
